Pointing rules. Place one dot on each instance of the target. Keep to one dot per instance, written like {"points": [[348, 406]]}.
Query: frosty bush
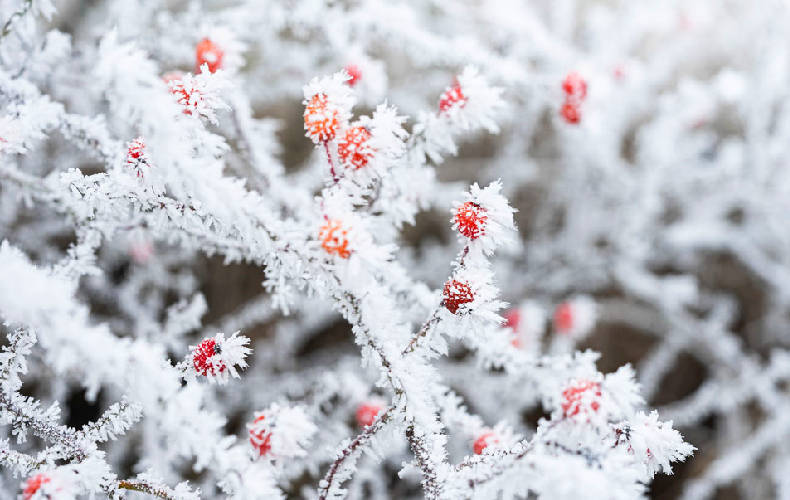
{"points": [[477, 191]]}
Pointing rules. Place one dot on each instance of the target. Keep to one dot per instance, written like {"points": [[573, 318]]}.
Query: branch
{"points": [[363, 438]]}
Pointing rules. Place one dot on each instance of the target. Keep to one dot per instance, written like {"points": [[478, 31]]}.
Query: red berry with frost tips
{"points": [[484, 441], [563, 318], [355, 73], [260, 439], [456, 293], [573, 396], [367, 413], [321, 121], [136, 157], [209, 53], [34, 484], [334, 239], [202, 358], [575, 87], [454, 96], [470, 220], [570, 111], [353, 149]]}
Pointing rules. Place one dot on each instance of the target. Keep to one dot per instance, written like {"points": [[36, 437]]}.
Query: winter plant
{"points": [[140, 141]]}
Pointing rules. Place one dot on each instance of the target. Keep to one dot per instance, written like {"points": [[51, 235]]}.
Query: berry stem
{"points": [[331, 162], [143, 487], [360, 440]]}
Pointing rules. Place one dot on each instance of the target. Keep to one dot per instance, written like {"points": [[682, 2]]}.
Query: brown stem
{"points": [[426, 327], [430, 486], [143, 487], [331, 162], [361, 439]]}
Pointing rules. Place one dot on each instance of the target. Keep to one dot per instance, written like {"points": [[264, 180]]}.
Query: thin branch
{"points": [[363, 438]]}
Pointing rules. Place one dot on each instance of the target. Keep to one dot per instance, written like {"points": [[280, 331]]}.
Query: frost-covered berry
{"points": [[366, 413], [206, 358], [563, 318], [575, 317], [207, 52], [581, 396], [217, 357], [260, 437], [354, 148], [512, 320], [281, 432], [136, 156], [453, 96], [33, 485], [455, 294], [355, 73], [470, 220], [485, 218], [334, 238], [321, 120], [575, 87], [570, 112], [484, 441]]}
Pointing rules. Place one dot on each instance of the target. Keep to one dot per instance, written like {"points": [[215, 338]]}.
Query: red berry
{"points": [[260, 439], [575, 87], [570, 111], [207, 52], [201, 358], [353, 148], [367, 413], [135, 156], [33, 484], [334, 239], [572, 397], [512, 319], [320, 120], [483, 441], [470, 218], [563, 318], [452, 97], [355, 73], [455, 294]]}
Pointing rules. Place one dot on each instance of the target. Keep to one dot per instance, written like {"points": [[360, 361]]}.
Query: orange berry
{"points": [[321, 121], [334, 239], [353, 148], [207, 52]]}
